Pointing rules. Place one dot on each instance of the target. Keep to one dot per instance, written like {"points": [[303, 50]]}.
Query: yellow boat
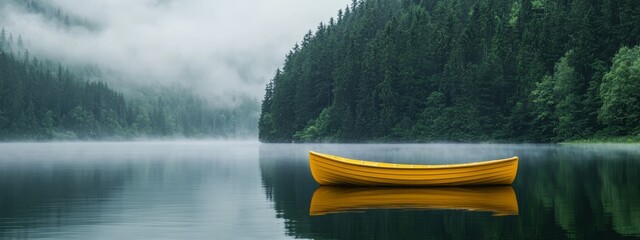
{"points": [[501, 200], [333, 170]]}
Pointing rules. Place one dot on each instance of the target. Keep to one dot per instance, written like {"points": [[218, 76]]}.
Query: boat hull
{"points": [[334, 170]]}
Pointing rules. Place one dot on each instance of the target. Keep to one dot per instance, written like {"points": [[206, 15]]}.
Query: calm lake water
{"points": [[247, 190]]}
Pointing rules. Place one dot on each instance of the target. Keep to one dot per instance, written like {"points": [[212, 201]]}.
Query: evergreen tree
{"points": [[505, 70], [41, 101]]}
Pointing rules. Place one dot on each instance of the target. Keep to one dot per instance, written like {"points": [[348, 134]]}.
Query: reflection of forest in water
{"points": [[36, 196], [43, 191], [563, 191]]}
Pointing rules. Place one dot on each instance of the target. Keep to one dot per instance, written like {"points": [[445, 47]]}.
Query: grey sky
{"points": [[215, 47]]}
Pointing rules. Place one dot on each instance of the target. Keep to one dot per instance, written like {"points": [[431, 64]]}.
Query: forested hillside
{"points": [[41, 100], [461, 70]]}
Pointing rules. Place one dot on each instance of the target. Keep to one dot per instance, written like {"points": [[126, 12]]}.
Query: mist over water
{"points": [[249, 190], [152, 190]]}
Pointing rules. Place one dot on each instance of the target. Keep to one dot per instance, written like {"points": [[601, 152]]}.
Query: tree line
{"points": [[41, 100], [461, 70]]}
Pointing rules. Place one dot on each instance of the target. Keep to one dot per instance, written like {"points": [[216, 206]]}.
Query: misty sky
{"points": [[215, 47]]}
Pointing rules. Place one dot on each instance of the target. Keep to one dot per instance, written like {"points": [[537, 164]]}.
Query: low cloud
{"points": [[216, 48]]}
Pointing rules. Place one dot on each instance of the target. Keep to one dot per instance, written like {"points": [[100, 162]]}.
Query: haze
{"points": [[216, 48]]}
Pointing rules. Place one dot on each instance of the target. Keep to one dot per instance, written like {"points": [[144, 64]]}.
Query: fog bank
{"points": [[216, 48]]}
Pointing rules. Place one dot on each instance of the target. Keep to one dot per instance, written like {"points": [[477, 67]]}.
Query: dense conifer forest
{"points": [[463, 71], [43, 100]]}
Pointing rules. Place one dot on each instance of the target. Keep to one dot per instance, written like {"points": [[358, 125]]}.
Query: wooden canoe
{"points": [[334, 170], [500, 200]]}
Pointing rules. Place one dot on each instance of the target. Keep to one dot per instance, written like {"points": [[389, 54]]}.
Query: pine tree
{"points": [[488, 70]]}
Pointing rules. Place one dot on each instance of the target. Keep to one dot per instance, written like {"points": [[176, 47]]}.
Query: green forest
{"points": [[42, 100], [461, 71]]}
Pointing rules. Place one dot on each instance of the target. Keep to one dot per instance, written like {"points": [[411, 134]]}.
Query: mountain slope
{"points": [[41, 100], [459, 70]]}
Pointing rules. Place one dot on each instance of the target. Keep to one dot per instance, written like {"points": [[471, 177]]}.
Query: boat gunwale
{"points": [[330, 165], [365, 163]]}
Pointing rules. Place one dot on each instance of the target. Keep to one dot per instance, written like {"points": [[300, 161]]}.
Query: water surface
{"points": [[247, 190]]}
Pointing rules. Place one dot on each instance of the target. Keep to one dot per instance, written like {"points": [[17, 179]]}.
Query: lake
{"points": [[248, 190]]}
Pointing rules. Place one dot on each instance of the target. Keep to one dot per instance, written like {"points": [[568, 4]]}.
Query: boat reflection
{"points": [[501, 200]]}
